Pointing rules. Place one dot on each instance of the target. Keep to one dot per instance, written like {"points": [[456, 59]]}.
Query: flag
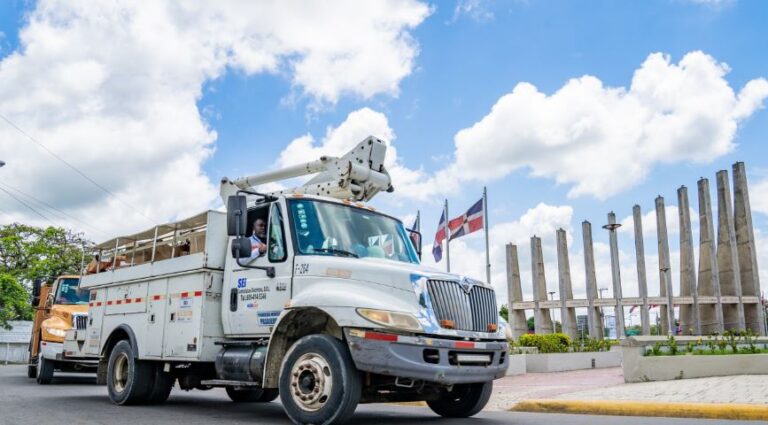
{"points": [[470, 221], [437, 247]]}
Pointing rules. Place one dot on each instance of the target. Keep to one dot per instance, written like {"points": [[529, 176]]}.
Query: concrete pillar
{"points": [[568, 314], [727, 256], [542, 319], [667, 312], [710, 315], [754, 316], [642, 280], [594, 316], [517, 320], [689, 313], [616, 274]]}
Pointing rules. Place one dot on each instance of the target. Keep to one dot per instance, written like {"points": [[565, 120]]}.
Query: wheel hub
{"points": [[311, 382], [120, 374]]}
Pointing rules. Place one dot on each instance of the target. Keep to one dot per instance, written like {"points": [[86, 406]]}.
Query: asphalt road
{"points": [[76, 399]]}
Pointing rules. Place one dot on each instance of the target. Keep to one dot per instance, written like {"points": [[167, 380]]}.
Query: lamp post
{"points": [[602, 313], [552, 298]]}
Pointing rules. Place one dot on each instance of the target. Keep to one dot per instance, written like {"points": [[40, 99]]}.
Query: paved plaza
{"points": [[608, 384]]}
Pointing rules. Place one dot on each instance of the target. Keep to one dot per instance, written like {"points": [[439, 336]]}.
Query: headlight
{"points": [[61, 333], [391, 319]]}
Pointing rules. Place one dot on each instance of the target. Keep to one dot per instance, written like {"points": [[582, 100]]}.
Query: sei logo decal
{"points": [[242, 282]]}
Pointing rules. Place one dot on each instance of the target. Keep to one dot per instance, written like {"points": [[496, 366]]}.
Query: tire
{"points": [[31, 371], [251, 395], [129, 381], [463, 401], [162, 384], [319, 368], [44, 370]]}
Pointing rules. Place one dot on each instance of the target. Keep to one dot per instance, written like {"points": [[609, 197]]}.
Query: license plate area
{"points": [[458, 358]]}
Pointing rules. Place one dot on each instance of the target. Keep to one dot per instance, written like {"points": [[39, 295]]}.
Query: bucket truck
{"points": [[304, 293]]}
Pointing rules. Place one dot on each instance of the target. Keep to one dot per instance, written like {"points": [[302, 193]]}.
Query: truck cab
{"points": [[61, 306]]}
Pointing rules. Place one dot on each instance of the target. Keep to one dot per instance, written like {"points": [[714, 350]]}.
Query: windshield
{"points": [[69, 292], [325, 228]]}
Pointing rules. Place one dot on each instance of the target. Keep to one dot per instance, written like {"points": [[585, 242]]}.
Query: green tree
{"points": [[14, 301], [28, 253], [504, 312]]}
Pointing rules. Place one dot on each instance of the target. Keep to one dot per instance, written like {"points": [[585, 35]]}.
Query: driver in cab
{"points": [[258, 238]]}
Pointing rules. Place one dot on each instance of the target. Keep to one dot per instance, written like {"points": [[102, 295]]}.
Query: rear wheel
{"points": [[162, 385], [128, 379], [319, 383], [463, 401], [251, 395], [44, 370]]}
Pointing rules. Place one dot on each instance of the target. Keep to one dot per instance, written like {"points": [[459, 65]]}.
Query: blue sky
{"points": [[465, 57]]}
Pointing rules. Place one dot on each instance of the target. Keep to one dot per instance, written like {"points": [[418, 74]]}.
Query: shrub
{"points": [[549, 343]]}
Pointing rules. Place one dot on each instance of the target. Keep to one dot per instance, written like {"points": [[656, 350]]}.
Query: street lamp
{"points": [[552, 298], [602, 313]]}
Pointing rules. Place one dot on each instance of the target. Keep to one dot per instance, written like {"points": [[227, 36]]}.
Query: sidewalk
{"points": [[608, 384]]}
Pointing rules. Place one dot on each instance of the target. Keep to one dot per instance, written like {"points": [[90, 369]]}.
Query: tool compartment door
{"points": [[182, 337], [96, 306]]}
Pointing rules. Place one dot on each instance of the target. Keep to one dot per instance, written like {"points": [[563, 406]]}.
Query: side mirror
{"points": [[415, 236], [241, 248], [36, 285], [237, 213]]}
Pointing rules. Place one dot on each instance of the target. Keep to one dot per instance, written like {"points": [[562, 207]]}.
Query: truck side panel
{"points": [[96, 307]]}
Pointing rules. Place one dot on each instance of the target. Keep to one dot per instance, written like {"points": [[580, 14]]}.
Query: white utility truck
{"points": [[335, 311]]}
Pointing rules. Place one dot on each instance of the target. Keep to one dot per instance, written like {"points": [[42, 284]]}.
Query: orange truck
{"points": [[60, 306]]}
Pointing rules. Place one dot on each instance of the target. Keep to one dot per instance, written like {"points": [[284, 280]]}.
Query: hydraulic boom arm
{"points": [[358, 175]]}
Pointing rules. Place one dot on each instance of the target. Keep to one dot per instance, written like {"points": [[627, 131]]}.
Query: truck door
{"points": [[252, 299]]}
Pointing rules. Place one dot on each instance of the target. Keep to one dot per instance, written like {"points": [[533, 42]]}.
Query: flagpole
{"points": [[485, 225], [447, 239]]}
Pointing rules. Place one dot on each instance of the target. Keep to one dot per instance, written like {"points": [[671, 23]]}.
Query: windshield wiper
{"points": [[337, 251]]}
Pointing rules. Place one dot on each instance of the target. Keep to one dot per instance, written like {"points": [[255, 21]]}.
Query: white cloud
{"points": [[477, 10], [112, 88], [602, 140], [759, 196]]}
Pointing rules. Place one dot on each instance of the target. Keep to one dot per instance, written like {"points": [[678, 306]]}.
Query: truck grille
{"points": [[469, 311], [80, 321]]}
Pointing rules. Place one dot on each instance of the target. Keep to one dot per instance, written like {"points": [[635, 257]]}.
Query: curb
{"points": [[641, 408]]}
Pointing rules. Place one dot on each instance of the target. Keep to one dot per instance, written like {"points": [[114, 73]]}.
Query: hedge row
{"points": [[547, 343]]}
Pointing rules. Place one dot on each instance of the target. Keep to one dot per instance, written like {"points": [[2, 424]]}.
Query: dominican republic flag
{"points": [[471, 221], [437, 247]]}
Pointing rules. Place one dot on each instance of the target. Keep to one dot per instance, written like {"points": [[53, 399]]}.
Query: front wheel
{"points": [[44, 370], [31, 371], [463, 401], [319, 383]]}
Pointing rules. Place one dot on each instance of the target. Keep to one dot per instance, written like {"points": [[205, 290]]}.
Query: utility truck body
{"points": [[335, 311]]}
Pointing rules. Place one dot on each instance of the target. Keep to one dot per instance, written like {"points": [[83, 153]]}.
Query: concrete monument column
{"points": [[594, 316], [542, 319], [616, 274], [727, 256], [517, 320], [711, 315], [642, 281], [689, 313], [568, 314], [667, 312], [754, 316]]}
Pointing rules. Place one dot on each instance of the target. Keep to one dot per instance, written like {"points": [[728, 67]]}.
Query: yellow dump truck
{"points": [[60, 306]]}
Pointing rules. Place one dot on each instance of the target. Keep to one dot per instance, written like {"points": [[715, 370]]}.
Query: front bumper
{"points": [[424, 358]]}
